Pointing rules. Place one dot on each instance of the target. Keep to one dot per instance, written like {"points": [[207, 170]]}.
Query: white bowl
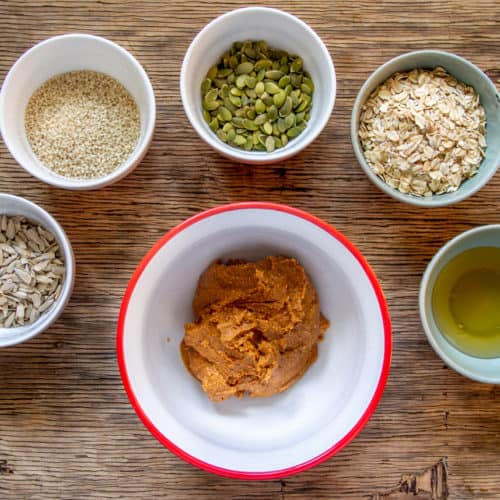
{"points": [[280, 30], [260, 438], [15, 205], [58, 55], [480, 369]]}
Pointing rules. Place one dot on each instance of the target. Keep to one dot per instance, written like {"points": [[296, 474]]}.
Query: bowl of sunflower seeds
{"points": [[37, 269], [258, 85], [425, 128]]}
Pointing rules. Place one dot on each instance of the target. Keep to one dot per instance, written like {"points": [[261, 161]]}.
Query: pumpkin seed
{"points": [[279, 99], [271, 88], [244, 68], [270, 144], [255, 98]]}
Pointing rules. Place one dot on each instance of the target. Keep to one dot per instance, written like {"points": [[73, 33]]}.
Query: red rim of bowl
{"points": [[275, 474]]}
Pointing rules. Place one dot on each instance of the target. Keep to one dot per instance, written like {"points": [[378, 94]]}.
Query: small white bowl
{"points": [[15, 205], [280, 30], [58, 55], [462, 70], [254, 438], [480, 369]]}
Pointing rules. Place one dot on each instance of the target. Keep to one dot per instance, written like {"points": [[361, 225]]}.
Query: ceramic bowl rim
{"points": [[243, 156], [46, 320], [141, 148], [394, 193], [385, 318], [424, 291]]}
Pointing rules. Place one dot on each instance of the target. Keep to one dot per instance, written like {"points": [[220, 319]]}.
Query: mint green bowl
{"points": [[480, 369], [464, 71]]}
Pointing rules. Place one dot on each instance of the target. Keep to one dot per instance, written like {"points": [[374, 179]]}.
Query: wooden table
{"points": [[67, 429]]}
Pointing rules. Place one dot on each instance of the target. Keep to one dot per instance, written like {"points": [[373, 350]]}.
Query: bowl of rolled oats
{"points": [[37, 269], [425, 128], [77, 111]]}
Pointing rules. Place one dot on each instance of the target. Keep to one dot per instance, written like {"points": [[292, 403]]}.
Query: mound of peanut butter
{"points": [[256, 330]]}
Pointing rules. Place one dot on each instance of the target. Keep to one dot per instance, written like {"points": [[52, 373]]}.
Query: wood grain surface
{"points": [[67, 429]]}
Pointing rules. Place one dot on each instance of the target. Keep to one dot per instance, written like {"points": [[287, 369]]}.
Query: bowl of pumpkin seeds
{"points": [[37, 269], [258, 85]]}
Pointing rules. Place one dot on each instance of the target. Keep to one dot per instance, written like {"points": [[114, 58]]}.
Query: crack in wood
{"points": [[431, 484], [5, 468]]}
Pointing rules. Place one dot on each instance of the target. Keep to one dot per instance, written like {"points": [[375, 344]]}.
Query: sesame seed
{"points": [[82, 124]]}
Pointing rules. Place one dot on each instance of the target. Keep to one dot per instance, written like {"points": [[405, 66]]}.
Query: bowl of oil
{"points": [[460, 303]]}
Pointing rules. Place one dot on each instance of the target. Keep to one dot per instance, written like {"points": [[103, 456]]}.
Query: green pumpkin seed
{"points": [[231, 134], [306, 89], [289, 121], [244, 68], [224, 73], [295, 131], [284, 140], [274, 74], [250, 114], [268, 128], [211, 105], [284, 81], [205, 86], [224, 115], [235, 100], [270, 144], [271, 88], [233, 61], [229, 105], [296, 80], [279, 99], [267, 99], [260, 119], [238, 121], [248, 146], [241, 81], [207, 116], [286, 108], [221, 135], [239, 140], [281, 125], [236, 91], [212, 72], [227, 127], [304, 105], [261, 75], [214, 124], [251, 93], [260, 107], [263, 64], [272, 112], [259, 88], [296, 65], [251, 82]]}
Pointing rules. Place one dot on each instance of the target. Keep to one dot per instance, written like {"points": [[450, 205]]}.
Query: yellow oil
{"points": [[466, 302]]}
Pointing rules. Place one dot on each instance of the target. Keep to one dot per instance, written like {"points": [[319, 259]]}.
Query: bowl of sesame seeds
{"points": [[425, 128], [77, 111], [37, 269]]}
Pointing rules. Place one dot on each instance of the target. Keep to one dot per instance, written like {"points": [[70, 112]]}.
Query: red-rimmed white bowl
{"points": [[254, 438]]}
